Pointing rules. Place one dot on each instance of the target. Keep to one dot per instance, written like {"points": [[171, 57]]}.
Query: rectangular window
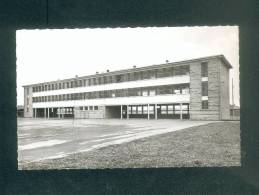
{"points": [[139, 109], [145, 93], [145, 110], [204, 90], [151, 109], [152, 92], [90, 107], [81, 107], [163, 109], [170, 109], [177, 109], [185, 91], [95, 107], [134, 110], [204, 69], [185, 109], [86, 107], [204, 104], [129, 109]]}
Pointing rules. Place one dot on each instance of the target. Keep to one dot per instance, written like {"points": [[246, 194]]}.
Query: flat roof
{"points": [[222, 57]]}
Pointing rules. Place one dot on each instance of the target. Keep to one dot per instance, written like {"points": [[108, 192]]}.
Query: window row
{"points": [[88, 108], [99, 80], [150, 91], [161, 109]]}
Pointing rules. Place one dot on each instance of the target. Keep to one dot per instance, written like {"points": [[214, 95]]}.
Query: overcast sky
{"points": [[46, 55]]}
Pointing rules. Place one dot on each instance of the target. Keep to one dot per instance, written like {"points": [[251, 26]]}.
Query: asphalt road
{"points": [[40, 139]]}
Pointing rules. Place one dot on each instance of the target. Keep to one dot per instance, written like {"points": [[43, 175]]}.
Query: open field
{"points": [[56, 144]]}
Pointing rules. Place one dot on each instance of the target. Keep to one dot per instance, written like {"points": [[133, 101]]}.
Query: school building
{"points": [[196, 89]]}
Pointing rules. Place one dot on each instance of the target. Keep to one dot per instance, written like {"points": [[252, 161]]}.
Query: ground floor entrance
{"points": [[58, 112], [149, 111]]}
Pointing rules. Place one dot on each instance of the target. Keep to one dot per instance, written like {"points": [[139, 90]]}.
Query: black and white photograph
{"points": [[107, 98]]}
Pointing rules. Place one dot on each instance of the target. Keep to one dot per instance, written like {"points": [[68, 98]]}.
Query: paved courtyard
{"points": [[41, 139]]}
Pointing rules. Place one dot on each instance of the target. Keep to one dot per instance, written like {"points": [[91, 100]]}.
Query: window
{"points": [[163, 110], [90, 107], [185, 109], [204, 104], [86, 107], [129, 109], [177, 91], [204, 69], [145, 110], [185, 91], [152, 92], [134, 110], [165, 90], [81, 108], [151, 109], [145, 93], [177, 109], [95, 107], [204, 90], [170, 109], [139, 109]]}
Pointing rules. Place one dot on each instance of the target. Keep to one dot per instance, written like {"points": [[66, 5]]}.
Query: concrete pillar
{"points": [[155, 111], [35, 112], [121, 112], [45, 113], [48, 112], [181, 111], [59, 112], [63, 112], [127, 111], [148, 112]]}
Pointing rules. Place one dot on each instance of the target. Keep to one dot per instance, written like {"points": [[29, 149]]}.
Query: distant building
{"points": [[20, 111], [234, 112], [193, 89]]}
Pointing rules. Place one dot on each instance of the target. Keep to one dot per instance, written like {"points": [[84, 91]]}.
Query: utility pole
{"points": [[232, 92]]}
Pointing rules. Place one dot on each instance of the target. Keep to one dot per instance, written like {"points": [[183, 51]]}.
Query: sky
{"points": [[49, 55]]}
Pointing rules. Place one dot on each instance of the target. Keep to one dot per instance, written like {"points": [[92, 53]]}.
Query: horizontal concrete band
{"points": [[159, 99], [124, 85]]}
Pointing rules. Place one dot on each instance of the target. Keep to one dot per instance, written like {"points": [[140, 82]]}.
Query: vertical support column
{"points": [[181, 111], [35, 112], [127, 111], [155, 111], [148, 111], [48, 112], [121, 112], [45, 113], [63, 110], [59, 112]]}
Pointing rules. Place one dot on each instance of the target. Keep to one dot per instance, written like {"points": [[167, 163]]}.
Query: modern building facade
{"points": [[195, 89]]}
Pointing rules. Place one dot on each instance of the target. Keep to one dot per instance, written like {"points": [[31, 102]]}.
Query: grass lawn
{"points": [[214, 144]]}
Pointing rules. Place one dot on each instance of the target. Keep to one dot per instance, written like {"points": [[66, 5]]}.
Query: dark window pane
{"points": [[204, 88], [205, 104], [204, 69]]}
